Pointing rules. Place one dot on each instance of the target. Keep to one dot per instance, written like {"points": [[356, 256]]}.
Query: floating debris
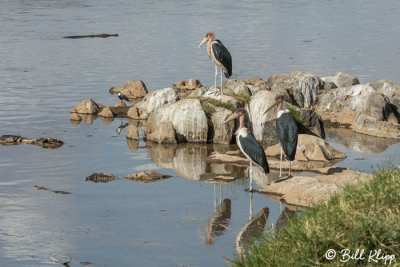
{"points": [[85, 262], [101, 177], [39, 187], [101, 35], [50, 143], [65, 263], [147, 176]]}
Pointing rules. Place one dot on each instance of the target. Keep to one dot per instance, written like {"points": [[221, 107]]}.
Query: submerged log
{"points": [[101, 35], [49, 143]]}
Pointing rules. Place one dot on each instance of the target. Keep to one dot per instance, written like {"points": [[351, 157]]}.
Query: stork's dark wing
{"points": [[287, 134], [254, 150], [222, 55]]}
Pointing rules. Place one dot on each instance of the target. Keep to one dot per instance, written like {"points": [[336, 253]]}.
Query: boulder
{"points": [[391, 90], [369, 125], [156, 99], [106, 112], [307, 191], [309, 148], [188, 84], [131, 89], [133, 113], [164, 134], [341, 105], [187, 118], [86, 106], [199, 92], [221, 133], [120, 104], [262, 125], [302, 87], [312, 122], [255, 84], [236, 87], [341, 79]]}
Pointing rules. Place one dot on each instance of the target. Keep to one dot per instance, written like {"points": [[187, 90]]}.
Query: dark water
{"points": [[123, 223]]}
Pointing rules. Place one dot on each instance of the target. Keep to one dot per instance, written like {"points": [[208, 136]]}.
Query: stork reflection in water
{"points": [[287, 131], [249, 145], [219, 55]]}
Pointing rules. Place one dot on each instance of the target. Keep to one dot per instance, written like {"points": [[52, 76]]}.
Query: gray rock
{"points": [[302, 87], [156, 99], [369, 125], [86, 106], [341, 79], [221, 133]]}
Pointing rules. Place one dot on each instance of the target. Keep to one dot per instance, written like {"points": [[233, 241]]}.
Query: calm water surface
{"points": [[123, 223]]}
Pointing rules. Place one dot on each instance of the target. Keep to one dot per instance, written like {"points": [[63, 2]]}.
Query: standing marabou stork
{"points": [[219, 55], [286, 129], [249, 145]]}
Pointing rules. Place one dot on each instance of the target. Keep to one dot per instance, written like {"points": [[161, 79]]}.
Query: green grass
{"points": [[364, 217], [296, 116], [207, 102]]}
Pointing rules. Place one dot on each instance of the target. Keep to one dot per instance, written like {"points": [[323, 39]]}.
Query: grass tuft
{"points": [[364, 217]]}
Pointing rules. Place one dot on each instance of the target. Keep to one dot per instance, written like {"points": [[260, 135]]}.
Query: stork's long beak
{"points": [[270, 107], [234, 115], [203, 42]]}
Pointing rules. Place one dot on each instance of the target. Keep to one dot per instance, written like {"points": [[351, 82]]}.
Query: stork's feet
{"points": [[249, 190]]}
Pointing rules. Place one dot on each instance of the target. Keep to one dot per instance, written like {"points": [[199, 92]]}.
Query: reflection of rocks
{"points": [[251, 231], [216, 223], [107, 121], [358, 142], [101, 177], [305, 190], [133, 145], [309, 148], [186, 160], [147, 176], [132, 132], [46, 142], [283, 218]]}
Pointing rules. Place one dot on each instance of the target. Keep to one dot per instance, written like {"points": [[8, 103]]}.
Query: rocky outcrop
{"points": [[262, 125], [255, 84], [86, 106], [187, 118], [46, 142], [311, 123], [154, 100], [221, 133], [236, 87], [309, 148], [163, 134], [369, 125], [340, 79], [391, 90], [131, 89], [302, 87], [306, 191], [187, 86]]}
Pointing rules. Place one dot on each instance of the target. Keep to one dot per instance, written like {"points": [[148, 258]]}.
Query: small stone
{"points": [[106, 112]]}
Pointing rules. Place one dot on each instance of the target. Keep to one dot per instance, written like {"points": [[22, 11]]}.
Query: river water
{"points": [[124, 223]]}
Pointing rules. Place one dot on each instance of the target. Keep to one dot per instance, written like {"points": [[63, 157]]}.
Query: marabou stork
{"points": [[287, 132], [249, 145], [219, 55]]}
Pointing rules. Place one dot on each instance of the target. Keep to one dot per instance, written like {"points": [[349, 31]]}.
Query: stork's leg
{"points": [[280, 164], [251, 206], [216, 74], [251, 177], [290, 166], [220, 194], [222, 91], [215, 197]]}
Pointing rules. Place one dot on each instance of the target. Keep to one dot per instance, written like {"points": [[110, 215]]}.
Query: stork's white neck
{"points": [[280, 112]]}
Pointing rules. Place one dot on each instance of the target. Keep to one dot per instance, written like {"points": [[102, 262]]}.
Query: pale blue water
{"points": [[122, 223]]}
